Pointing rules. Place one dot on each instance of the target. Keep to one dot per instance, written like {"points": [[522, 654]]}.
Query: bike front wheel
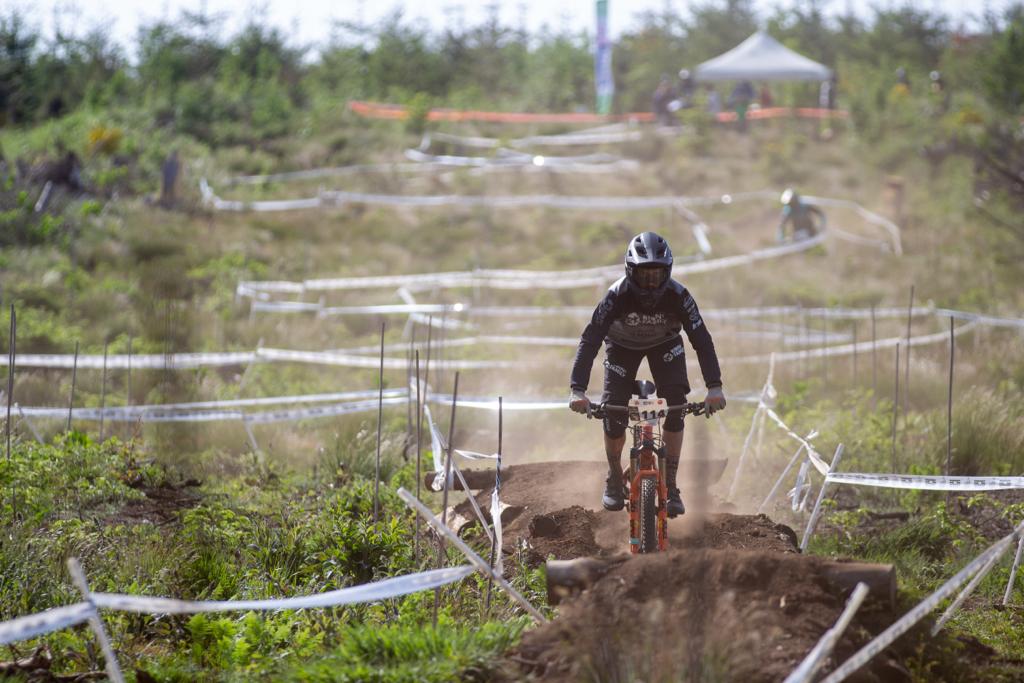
{"points": [[649, 515]]}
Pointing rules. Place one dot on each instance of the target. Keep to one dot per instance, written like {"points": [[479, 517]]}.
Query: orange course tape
{"points": [[381, 110]]}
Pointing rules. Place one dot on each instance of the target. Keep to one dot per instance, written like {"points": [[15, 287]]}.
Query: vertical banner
{"points": [[604, 85]]}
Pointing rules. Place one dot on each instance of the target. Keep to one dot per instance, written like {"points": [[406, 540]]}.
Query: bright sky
{"points": [[310, 21]]}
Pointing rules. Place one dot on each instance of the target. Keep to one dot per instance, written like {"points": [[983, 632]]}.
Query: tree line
{"points": [[193, 77]]}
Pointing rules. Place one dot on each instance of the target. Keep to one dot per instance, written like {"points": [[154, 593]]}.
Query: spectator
{"points": [[714, 102], [765, 98], [663, 94], [687, 88], [740, 98], [808, 220], [902, 82]]}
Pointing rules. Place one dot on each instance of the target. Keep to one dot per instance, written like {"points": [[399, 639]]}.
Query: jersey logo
{"points": [[617, 369], [673, 353], [691, 309], [635, 319]]}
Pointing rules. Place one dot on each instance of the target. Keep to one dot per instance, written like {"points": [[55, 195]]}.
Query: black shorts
{"points": [[668, 367]]}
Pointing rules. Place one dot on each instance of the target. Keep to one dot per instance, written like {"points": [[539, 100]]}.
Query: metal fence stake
{"points": [[74, 377], [380, 418]]}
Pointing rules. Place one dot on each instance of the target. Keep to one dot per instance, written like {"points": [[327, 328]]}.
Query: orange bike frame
{"points": [[646, 462]]}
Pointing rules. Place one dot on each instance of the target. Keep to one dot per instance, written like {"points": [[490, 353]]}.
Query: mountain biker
{"points": [[641, 316], [801, 214]]}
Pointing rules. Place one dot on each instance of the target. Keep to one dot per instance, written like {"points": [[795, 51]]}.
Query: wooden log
{"points": [[477, 479], [880, 578], [567, 578]]}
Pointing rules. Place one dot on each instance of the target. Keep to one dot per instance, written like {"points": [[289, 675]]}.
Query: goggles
{"points": [[650, 277]]}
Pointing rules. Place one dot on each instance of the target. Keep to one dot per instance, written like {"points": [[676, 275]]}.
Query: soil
{"points": [[162, 505], [568, 492], [719, 614], [732, 600]]}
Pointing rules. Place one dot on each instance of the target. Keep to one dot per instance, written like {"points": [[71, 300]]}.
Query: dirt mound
{"points": [[568, 494], [695, 614], [563, 534], [736, 532]]}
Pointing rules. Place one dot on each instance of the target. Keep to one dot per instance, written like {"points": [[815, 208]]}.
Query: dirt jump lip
{"points": [[692, 472]]}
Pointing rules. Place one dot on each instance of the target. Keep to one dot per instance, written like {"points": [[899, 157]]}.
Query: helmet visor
{"points": [[650, 277]]}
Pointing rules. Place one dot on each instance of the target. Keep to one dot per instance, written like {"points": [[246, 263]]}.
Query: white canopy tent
{"points": [[761, 58]]}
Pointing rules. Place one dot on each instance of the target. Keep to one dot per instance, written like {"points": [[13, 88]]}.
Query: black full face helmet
{"points": [[648, 267]]}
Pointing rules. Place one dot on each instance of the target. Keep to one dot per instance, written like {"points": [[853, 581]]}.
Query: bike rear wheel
{"points": [[649, 515]]}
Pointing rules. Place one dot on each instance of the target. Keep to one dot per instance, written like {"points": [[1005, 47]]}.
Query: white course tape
{"points": [[436, 449], [921, 482], [370, 592], [603, 136], [314, 173], [472, 499], [477, 561], [859, 347], [983, 319], [869, 216], [168, 411], [907, 621], [499, 565], [508, 157], [801, 490], [526, 279], [39, 624], [812, 662], [815, 457], [174, 361], [1013, 571], [816, 512], [296, 414], [355, 361], [965, 593]]}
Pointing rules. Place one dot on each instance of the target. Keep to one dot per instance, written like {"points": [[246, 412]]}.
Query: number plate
{"points": [[647, 409]]}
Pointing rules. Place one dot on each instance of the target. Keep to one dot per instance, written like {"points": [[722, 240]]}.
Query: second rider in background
{"points": [[640, 317]]}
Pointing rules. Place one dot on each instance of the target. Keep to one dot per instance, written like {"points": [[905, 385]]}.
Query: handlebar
{"points": [[601, 410]]}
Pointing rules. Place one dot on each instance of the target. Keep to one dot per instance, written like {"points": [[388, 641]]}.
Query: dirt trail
{"points": [[732, 600], [566, 495]]}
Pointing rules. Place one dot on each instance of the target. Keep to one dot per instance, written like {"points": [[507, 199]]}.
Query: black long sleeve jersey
{"points": [[621, 319]]}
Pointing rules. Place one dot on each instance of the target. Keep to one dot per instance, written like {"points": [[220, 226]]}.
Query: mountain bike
{"points": [[648, 494]]}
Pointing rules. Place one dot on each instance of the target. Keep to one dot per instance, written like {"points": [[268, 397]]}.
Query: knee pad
{"points": [[615, 427], [674, 395], [674, 421]]}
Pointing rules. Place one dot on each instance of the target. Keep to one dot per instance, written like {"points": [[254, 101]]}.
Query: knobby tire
{"points": [[649, 516]]}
